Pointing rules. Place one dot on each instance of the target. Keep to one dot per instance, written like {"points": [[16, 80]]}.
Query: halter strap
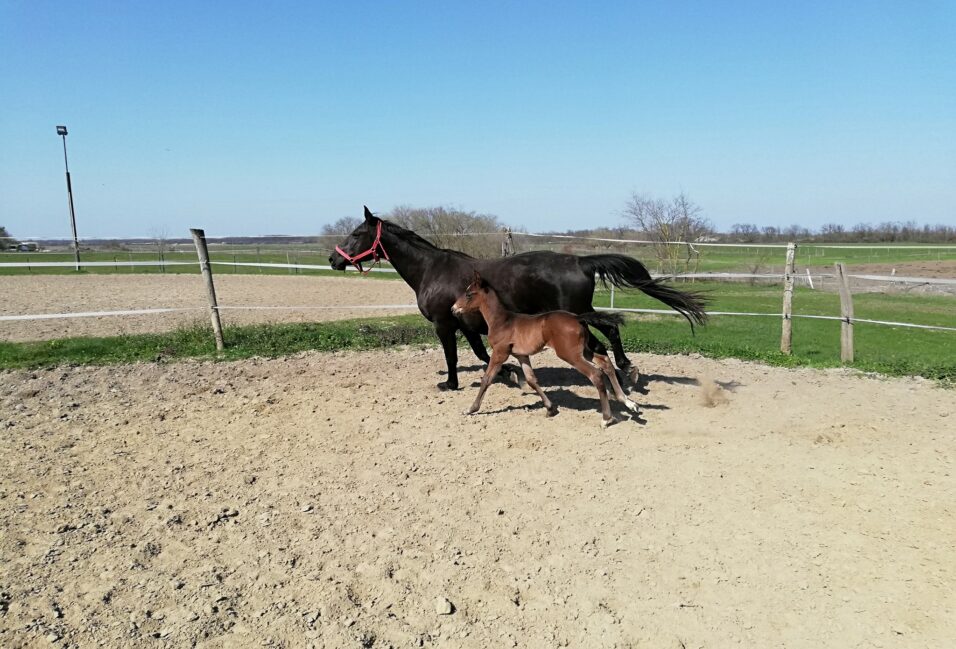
{"points": [[373, 251]]}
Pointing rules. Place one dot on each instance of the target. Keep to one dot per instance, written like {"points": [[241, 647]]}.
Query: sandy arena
{"points": [[339, 500], [35, 294]]}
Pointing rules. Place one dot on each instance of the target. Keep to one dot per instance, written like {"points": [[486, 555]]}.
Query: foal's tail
{"points": [[626, 272], [602, 318]]}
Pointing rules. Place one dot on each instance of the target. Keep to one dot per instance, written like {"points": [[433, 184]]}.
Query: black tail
{"points": [[602, 318], [626, 272]]}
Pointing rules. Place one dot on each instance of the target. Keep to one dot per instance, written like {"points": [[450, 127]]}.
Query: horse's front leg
{"points": [[498, 357], [449, 343], [477, 344]]}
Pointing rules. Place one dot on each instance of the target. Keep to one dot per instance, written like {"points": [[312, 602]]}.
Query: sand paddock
{"points": [[339, 500]]}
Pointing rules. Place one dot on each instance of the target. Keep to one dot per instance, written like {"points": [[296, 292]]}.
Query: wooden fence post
{"points": [[846, 314], [786, 337], [199, 238]]}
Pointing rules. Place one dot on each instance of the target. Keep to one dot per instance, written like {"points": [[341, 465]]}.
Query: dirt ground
{"points": [[340, 500], [913, 269], [929, 269], [34, 294]]}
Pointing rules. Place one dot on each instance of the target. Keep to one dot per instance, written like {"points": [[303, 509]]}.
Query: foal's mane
{"points": [[417, 241]]}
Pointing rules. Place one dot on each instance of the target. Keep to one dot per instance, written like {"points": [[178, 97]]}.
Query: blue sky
{"points": [[251, 117]]}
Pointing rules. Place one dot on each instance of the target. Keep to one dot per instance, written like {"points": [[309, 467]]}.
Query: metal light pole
{"points": [[61, 130]]}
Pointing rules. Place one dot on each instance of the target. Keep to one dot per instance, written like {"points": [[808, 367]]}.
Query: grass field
{"points": [[879, 348], [712, 259], [745, 258]]}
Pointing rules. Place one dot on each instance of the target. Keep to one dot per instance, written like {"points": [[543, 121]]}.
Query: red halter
{"points": [[373, 251]]}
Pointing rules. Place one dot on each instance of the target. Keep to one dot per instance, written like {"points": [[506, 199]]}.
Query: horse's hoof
{"points": [[633, 374], [609, 422], [468, 412], [630, 405], [550, 412], [445, 386]]}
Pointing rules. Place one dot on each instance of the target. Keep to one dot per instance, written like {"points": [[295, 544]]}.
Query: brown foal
{"points": [[522, 336]]}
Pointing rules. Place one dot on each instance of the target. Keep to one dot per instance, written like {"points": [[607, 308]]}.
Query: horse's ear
{"points": [[476, 279], [369, 217]]}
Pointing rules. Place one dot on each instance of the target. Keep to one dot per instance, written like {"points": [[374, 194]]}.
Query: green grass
{"points": [[269, 340], [765, 259], [746, 259], [879, 348]]}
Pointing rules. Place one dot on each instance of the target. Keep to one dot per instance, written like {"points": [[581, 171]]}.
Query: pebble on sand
{"points": [[443, 606]]}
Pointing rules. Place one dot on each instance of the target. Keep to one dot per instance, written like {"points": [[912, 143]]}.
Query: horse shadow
{"points": [[643, 383], [555, 381]]}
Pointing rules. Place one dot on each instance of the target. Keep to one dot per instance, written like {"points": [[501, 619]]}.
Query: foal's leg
{"points": [[498, 357], [604, 363], [595, 351], [533, 382], [576, 359], [614, 337], [478, 346]]}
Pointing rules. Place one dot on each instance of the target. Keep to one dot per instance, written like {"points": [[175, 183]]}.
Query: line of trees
{"points": [[680, 219], [648, 218], [6, 241], [886, 232]]}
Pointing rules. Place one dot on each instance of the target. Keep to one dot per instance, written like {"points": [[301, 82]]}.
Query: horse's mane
{"points": [[417, 241]]}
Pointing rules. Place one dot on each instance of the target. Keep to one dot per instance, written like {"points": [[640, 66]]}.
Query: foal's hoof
{"points": [[468, 412], [551, 412], [630, 405], [609, 422], [445, 386]]}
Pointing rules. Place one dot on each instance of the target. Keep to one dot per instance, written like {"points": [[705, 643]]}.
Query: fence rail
{"points": [[785, 316], [716, 276], [373, 307]]}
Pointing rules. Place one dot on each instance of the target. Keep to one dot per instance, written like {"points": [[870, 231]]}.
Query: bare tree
{"points": [[672, 225], [479, 235], [160, 236], [745, 232], [6, 241], [343, 226]]}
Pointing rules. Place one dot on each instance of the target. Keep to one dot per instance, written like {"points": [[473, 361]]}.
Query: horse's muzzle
{"points": [[337, 262]]}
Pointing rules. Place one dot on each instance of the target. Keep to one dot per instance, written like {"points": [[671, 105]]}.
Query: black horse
{"points": [[533, 282]]}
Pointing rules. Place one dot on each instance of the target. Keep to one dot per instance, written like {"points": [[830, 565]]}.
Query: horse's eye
{"points": [[469, 295]]}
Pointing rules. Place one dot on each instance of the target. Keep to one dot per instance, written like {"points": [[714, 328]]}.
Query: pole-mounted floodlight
{"points": [[61, 131]]}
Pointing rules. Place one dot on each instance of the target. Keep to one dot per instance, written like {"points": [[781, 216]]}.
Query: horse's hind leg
{"points": [[595, 375], [596, 352], [602, 361], [613, 335], [533, 382]]}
